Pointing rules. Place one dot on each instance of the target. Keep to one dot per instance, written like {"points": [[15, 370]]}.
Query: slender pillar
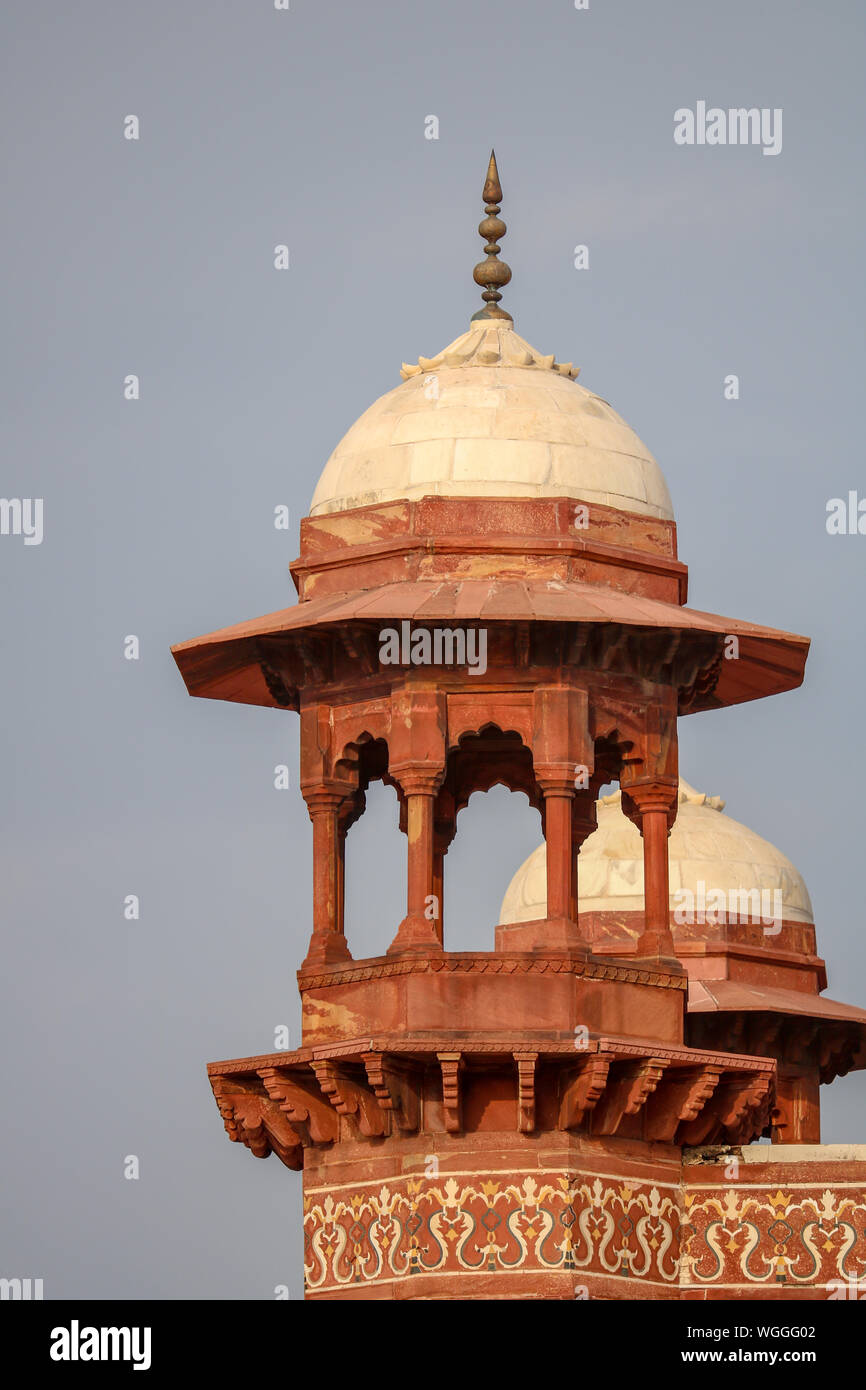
{"points": [[328, 942], [652, 806], [560, 931], [561, 746], [557, 822], [420, 930]]}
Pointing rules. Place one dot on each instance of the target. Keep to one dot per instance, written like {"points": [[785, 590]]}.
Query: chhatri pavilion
{"points": [[620, 1098]]}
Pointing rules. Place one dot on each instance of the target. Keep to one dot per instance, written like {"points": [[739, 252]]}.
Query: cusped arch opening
{"points": [[374, 852], [496, 829]]}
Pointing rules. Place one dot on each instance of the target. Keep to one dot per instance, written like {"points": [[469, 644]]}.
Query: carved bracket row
{"points": [[680, 1104], [680, 1098]]}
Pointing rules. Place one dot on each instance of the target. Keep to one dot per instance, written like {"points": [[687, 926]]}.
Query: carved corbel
{"points": [[253, 1119], [658, 654], [396, 1086], [361, 648], [310, 1116], [350, 1099], [764, 1035], [679, 1099], [627, 1093], [837, 1053], [281, 673], [583, 1090], [452, 1065], [526, 1091], [742, 1107], [697, 668], [612, 653], [315, 650]]}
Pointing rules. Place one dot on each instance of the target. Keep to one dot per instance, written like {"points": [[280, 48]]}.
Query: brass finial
{"points": [[492, 273]]}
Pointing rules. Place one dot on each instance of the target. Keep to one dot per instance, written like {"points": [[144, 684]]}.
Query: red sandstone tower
{"points": [[516, 1123]]}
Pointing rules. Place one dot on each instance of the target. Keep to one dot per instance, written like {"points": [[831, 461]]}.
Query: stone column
{"points": [[652, 806], [561, 743], [328, 942], [560, 929], [557, 826], [419, 931]]}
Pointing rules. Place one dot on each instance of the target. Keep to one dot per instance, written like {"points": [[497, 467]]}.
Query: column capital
{"points": [[327, 794], [556, 779], [655, 794], [418, 779]]}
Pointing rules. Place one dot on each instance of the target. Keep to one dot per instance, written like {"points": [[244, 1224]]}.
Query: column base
{"points": [[657, 948], [326, 948], [415, 936]]}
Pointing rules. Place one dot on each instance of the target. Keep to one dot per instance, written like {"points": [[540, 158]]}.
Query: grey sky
{"points": [[155, 257]]}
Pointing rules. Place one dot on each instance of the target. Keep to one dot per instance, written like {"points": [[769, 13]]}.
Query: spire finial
{"points": [[492, 273]]}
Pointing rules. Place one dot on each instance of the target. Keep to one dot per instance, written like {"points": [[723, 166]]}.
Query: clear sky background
{"points": [[155, 257]]}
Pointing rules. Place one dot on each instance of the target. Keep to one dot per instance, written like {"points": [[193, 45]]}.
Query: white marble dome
{"points": [[705, 846], [491, 417]]}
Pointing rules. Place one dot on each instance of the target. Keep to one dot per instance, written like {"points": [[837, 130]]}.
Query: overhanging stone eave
{"points": [[226, 664], [735, 996]]}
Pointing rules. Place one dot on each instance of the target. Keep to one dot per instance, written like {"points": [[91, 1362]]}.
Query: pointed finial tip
{"points": [[492, 192], [492, 273]]}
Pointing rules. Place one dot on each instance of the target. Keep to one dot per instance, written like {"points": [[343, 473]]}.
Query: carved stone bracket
{"points": [[583, 1089], [526, 1090], [683, 1096], [452, 1065], [837, 1048], [253, 1119], [370, 1087], [627, 1093], [396, 1087], [743, 1109], [310, 1116], [351, 1099]]}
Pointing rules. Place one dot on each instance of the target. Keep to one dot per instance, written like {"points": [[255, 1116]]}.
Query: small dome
{"points": [[705, 847], [491, 417]]}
